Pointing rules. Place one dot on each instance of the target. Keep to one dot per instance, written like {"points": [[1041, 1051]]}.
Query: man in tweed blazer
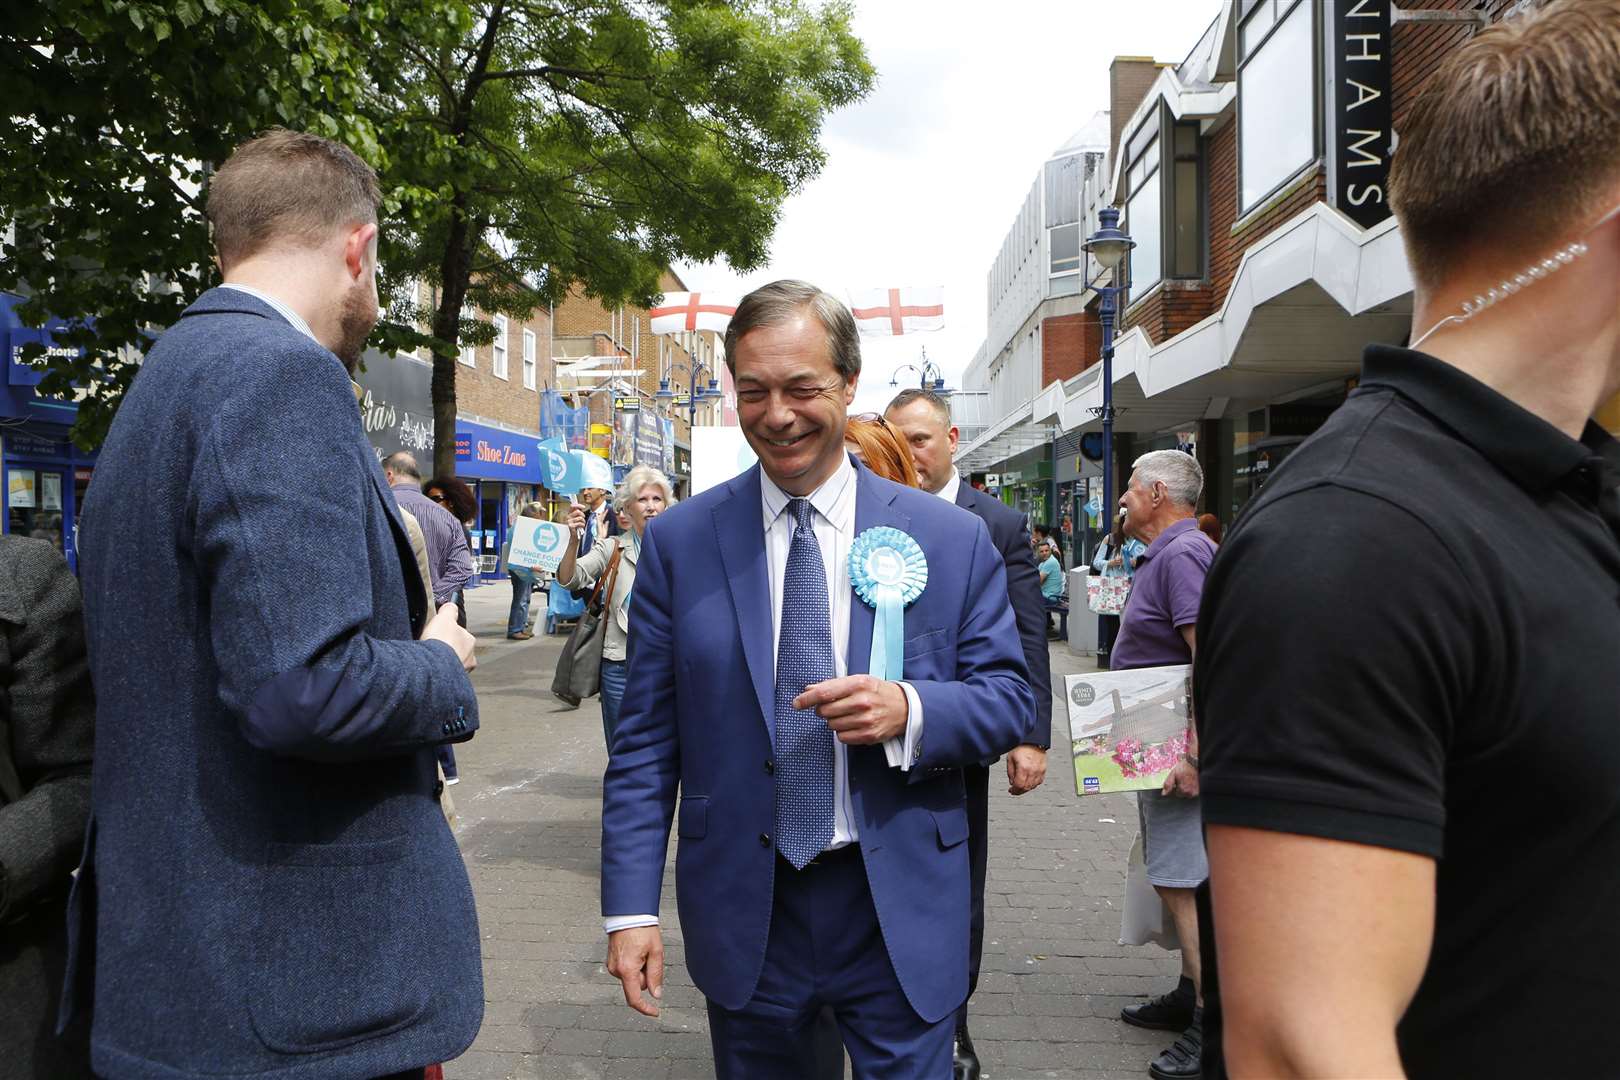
{"points": [[47, 715], [271, 889]]}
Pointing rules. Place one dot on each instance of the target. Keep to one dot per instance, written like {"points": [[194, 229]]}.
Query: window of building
{"points": [[1164, 211], [1063, 243], [468, 355], [528, 360], [1276, 97], [499, 348]]}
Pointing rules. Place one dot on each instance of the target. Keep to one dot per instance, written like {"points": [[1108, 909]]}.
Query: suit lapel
{"points": [[739, 528], [873, 508]]}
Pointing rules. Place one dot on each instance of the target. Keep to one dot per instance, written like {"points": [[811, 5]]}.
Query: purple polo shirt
{"points": [[1164, 597]]}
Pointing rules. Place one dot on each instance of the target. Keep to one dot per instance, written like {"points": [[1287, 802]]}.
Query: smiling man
{"points": [[822, 856]]}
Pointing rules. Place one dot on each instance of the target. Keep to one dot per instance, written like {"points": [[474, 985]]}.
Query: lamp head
{"points": [[1109, 244], [664, 392]]}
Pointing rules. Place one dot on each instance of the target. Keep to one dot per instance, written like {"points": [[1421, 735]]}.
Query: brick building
{"points": [[1251, 176]]}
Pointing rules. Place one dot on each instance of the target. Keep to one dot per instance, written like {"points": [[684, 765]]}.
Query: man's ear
{"points": [[849, 389], [357, 249]]}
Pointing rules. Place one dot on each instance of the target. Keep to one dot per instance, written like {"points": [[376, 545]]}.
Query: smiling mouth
{"points": [[784, 443]]}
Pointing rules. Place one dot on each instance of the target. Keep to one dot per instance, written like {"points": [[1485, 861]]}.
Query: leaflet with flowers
{"points": [[1127, 728]]}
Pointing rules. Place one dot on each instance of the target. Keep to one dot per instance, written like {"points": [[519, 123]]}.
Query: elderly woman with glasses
{"points": [[645, 494]]}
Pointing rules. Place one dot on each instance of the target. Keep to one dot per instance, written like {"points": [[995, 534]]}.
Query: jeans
{"points": [[1056, 603], [522, 589], [612, 696]]}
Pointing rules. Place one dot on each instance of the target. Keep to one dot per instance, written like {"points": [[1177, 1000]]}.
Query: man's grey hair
{"points": [[403, 463], [941, 407], [776, 303], [638, 478], [1178, 471], [533, 510]]}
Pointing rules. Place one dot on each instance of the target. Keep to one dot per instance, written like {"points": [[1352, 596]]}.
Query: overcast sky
{"points": [[924, 177]]}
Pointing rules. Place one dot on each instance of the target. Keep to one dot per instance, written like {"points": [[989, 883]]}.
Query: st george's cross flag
{"points": [[890, 312], [678, 311]]}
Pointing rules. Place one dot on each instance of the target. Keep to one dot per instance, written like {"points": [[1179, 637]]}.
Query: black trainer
{"points": [[1167, 1012], [1181, 1061]]}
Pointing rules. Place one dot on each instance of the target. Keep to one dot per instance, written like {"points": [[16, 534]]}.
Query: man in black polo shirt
{"points": [[1408, 674]]}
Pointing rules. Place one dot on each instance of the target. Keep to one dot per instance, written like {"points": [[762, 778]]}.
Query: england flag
{"points": [[679, 311], [891, 312]]}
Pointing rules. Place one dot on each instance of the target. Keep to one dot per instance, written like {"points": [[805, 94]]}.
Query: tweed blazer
{"points": [[47, 717], [270, 887]]}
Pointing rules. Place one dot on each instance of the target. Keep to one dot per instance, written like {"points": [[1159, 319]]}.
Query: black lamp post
{"points": [[1108, 245]]}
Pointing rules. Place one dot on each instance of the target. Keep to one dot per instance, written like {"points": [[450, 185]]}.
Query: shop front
{"points": [[503, 468], [396, 405], [45, 474]]}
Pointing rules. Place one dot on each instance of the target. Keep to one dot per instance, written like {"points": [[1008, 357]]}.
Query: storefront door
{"points": [[41, 503]]}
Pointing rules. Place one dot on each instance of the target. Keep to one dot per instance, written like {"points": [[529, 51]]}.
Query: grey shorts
{"points": [[1172, 840]]}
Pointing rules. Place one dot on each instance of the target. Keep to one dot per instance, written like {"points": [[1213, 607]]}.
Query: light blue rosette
{"points": [[888, 571]]}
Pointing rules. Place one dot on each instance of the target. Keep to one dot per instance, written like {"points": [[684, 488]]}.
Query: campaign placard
{"points": [[537, 544]]}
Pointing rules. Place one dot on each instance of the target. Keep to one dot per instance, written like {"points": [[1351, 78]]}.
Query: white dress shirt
{"points": [[948, 492], [282, 309], [834, 503]]}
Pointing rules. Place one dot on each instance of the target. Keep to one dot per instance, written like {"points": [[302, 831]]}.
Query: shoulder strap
{"points": [[608, 576]]}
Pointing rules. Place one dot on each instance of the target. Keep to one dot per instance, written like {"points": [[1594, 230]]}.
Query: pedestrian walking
{"points": [[449, 556], [264, 822], [1158, 628], [924, 419], [644, 495], [47, 717], [523, 580], [1384, 902], [821, 854]]}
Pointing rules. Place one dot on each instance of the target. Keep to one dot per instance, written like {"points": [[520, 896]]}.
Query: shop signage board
{"points": [[396, 405], [490, 453], [537, 544], [1363, 131]]}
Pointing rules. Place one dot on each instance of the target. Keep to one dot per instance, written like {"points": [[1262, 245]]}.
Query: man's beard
{"points": [[355, 321]]}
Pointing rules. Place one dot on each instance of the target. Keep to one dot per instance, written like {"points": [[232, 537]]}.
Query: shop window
{"points": [[528, 360], [1276, 96], [498, 348]]}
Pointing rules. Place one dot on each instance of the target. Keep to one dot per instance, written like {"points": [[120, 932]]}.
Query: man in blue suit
{"points": [[279, 894], [923, 418], [822, 823]]}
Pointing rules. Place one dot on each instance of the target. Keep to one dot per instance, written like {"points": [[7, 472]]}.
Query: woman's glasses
{"points": [[872, 418]]}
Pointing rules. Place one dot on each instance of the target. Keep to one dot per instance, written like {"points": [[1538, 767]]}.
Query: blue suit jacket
{"points": [[278, 892], [698, 716], [1010, 533]]}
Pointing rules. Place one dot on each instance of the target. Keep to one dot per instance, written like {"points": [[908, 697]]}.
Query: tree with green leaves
{"points": [[116, 108], [539, 145], [525, 148]]}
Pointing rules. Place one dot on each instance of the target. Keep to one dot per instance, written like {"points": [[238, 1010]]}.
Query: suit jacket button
{"points": [[446, 729], [770, 767], [764, 840]]}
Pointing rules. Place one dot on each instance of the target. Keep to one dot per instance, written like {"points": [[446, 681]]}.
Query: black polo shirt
{"points": [[1411, 639]]}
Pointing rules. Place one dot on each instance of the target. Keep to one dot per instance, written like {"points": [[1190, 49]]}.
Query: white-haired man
{"points": [[1157, 629]]}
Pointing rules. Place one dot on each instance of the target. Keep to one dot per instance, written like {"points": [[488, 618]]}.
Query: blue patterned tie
{"points": [[804, 742]]}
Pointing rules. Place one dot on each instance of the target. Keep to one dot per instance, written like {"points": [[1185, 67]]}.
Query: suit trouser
{"points": [[825, 947], [976, 781]]}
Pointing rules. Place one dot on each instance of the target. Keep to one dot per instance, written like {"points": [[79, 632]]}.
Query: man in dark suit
{"points": [[279, 894], [924, 419], [47, 716], [821, 814]]}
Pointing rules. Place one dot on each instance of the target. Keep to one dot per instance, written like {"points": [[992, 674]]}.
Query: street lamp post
{"points": [[694, 395], [1108, 245], [929, 371]]}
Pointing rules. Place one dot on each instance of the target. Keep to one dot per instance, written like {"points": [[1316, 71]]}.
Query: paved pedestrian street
{"points": [[530, 818]]}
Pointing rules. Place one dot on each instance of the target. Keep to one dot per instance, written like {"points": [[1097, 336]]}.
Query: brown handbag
{"points": [[579, 669]]}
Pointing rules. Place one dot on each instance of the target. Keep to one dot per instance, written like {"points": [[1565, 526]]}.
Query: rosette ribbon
{"points": [[888, 571]]}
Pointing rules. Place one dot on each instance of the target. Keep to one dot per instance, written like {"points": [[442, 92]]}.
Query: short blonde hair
{"points": [[638, 478], [1514, 142]]}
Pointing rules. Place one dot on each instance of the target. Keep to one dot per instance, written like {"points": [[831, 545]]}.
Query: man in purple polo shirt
{"points": [[1157, 629]]}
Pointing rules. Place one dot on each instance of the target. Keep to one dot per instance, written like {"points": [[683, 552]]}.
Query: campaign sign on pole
{"points": [[537, 544]]}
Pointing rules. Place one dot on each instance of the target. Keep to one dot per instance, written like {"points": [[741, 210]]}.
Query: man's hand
{"points": [[862, 710], [1026, 768], [1182, 781], [636, 959], [443, 627]]}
